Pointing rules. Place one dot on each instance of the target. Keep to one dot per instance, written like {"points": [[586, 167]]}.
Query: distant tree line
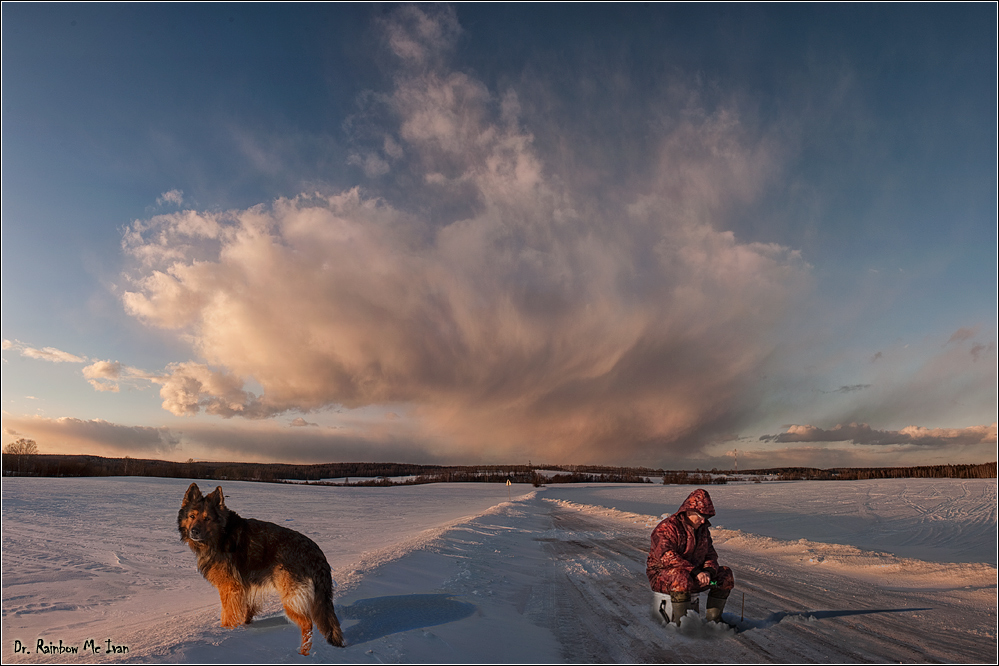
{"points": [[982, 471], [605, 470], [86, 465], [580, 477], [694, 478], [21, 459]]}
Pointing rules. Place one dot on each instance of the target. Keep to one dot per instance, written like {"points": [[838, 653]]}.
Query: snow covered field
{"points": [[899, 570]]}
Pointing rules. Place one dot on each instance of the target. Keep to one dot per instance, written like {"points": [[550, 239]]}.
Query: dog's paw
{"points": [[230, 623]]}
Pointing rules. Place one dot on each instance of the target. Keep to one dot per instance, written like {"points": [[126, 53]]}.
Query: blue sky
{"points": [[650, 234]]}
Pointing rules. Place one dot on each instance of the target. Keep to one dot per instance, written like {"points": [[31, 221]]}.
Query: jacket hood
{"points": [[698, 501]]}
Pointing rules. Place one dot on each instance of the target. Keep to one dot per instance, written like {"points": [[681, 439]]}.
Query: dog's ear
{"points": [[193, 495], [216, 497]]}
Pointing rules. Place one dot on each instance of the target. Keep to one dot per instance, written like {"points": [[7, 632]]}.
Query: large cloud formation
{"points": [[506, 311]]}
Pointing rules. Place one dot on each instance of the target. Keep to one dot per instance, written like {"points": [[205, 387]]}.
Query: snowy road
{"points": [[579, 572], [795, 612], [536, 580]]}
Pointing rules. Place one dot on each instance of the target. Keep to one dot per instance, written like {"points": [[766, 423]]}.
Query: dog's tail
{"points": [[323, 613]]}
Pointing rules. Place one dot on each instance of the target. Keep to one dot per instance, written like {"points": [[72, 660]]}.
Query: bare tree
{"points": [[21, 449]]}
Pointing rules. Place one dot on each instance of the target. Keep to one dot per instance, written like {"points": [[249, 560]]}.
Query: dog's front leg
{"points": [[231, 594], [234, 610]]}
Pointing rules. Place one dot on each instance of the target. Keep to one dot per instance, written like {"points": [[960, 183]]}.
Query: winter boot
{"points": [[681, 603], [716, 604]]}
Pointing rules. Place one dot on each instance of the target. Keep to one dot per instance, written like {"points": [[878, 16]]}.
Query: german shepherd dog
{"points": [[244, 558]]}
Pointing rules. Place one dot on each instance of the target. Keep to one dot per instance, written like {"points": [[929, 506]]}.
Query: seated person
{"points": [[682, 560]]}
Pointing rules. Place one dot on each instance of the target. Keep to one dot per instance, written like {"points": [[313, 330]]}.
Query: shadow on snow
{"points": [[382, 616], [810, 616]]}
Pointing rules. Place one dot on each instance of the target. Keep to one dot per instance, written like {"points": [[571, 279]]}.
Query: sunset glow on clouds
{"points": [[532, 323], [482, 292]]}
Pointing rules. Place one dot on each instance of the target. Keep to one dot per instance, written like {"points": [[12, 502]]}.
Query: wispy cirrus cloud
{"points": [[104, 376], [50, 354], [929, 381]]}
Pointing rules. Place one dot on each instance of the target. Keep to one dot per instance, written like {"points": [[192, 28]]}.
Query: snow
{"points": [[843, 571], [939, 520]]}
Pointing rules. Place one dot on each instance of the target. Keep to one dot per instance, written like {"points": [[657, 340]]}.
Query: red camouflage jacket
{"points": [[676, 546]]}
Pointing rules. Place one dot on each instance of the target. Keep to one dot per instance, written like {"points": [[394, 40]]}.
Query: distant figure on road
{"points": [[682, 560]]}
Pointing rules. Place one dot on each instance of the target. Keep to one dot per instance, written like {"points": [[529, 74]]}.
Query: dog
{"points": [[244, 558]]}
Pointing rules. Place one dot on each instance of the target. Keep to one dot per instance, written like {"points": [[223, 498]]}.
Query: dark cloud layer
{"points": [[861, 433], [95, 436], [852, 388]]}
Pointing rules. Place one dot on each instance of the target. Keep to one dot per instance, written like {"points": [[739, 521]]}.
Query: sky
{"points": [[680, 236]]}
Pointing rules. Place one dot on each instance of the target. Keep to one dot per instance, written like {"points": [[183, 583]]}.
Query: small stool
{"points": [[662, 605]]}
